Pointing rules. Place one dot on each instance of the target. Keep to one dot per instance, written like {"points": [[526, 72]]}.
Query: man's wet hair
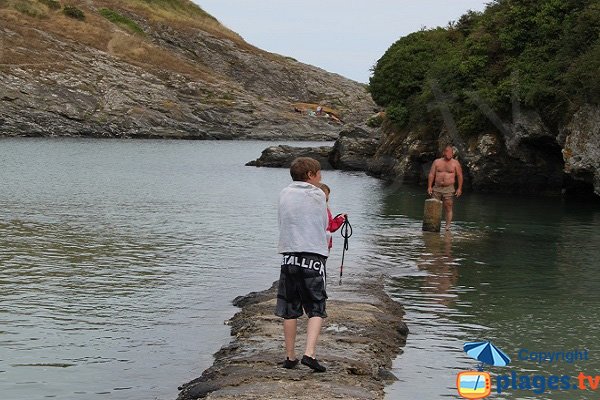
{"points": [[301, 166]]}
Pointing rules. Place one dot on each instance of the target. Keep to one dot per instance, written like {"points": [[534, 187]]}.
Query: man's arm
{"points": [[459, 176], [430, 178]]}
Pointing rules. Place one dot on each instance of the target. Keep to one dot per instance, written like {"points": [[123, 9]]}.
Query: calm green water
{"points": [[521, 272], [119, 260]]}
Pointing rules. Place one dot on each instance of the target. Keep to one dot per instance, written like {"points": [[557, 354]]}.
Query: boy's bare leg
{"points": [[312, 334], [289, 333]]}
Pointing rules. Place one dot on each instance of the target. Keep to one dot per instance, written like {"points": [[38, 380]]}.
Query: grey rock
{"points": [[358, 357], [527, 129], [255, 297], [581, 150], [386, 375], [527, 157], [282, 156], [201, 389], [231, 91], [523, 157], [403, 157], [353, 149]]}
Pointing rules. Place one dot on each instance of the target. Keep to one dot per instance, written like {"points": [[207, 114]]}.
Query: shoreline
{"points": [[361, 336], [150, 137]]}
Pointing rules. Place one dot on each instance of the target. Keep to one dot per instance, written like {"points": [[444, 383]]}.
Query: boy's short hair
{"points": [[301, 166], [325, 188]]}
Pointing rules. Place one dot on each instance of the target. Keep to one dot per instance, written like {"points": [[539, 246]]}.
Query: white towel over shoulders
{"points": [[302, 219]]}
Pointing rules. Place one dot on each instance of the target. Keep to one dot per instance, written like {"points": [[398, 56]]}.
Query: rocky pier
{"points": [[363, 333]]}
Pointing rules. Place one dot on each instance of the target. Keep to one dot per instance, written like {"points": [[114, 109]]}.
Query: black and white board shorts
{"points": [[301, 286]]}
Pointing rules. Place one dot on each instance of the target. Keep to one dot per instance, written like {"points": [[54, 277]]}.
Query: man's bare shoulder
{"points": [[455, 162]]}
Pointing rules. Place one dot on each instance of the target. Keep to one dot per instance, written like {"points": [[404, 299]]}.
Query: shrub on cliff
{"points": [[546, 53], [375, 121], [73, 12]]}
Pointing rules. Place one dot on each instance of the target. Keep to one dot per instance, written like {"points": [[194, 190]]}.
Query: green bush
{"points": [[51, 4], [546, 52], [121, 20], [73, 12], [397, 114], [375, 121]]}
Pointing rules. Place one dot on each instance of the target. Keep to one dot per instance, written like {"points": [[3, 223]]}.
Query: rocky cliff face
{"points": [[282, 156], [177, 73], [581, 148], [352, 151], [526, 156]]}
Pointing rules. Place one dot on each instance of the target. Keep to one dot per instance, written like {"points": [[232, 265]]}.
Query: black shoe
{"points": [[289, 364], [313, 364]]}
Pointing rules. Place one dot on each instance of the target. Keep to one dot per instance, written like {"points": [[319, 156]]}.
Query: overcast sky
{"points": [[342, 36]]}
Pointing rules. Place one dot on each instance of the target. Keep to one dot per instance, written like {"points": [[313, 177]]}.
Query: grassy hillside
{"points": [[106, 25], [154, 68], [182, 12]]}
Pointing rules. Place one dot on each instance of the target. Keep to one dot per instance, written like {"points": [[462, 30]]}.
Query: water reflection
{"points": [[119, 259], [440, 267], [517, 271]]}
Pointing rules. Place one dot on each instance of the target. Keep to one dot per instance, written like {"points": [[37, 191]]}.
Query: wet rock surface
{"points": [[354, 148], [282, 156], [361, 336], [351, 152], [526, 157], [581, 150]]}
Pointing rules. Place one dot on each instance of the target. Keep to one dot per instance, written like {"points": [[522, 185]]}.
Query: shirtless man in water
{"points": [[444, 172]]}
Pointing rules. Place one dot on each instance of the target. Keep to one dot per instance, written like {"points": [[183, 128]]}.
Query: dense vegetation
{"points": [[546, 53]]}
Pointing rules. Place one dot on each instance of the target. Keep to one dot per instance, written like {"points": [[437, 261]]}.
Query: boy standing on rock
{"points": [[303, 222]]}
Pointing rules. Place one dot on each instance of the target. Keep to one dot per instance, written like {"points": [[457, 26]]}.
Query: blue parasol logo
{"points": [[477, 384], [486, 353]]}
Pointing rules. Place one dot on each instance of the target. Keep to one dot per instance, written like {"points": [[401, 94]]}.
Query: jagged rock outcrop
{"points": [[581, 150], [524, 156], [351, 152], [282, 156], [402, 156], [353, 149], [183, 76]]}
